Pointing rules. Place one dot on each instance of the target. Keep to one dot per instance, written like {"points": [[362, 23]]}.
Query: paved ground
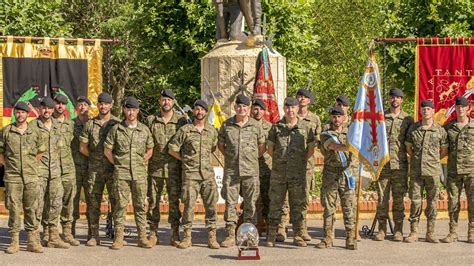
{"points": [[369, 252]]}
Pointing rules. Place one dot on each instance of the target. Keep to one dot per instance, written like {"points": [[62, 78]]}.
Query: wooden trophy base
{"points": [[249, 254]]}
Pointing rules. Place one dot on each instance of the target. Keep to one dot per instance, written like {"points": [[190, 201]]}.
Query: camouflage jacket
{"points": [[67, 135], [461, 148], [332, 161], [50, 162], [397, 128], [265, 161], [80, 160]]}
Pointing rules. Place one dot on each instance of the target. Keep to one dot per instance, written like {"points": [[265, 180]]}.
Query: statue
{"points": [[252, 10], [229, 17]]}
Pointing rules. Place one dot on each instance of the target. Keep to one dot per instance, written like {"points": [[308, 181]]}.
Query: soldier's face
{"points": [[342, 106], [461, 111], [427, 112], [396, 101], [20, 115], [166, 103], [290, 111], [59, 108], [337, 120], [257, 112], [46, 112], [104, 108], [303, 100], [83, 108], [131, 114], [242, 109], [199, 113]]}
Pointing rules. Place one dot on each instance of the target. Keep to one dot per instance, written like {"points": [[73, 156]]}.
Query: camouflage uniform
{"points": [[264, 166], [81, 165], [163, 169], [198, 175]]}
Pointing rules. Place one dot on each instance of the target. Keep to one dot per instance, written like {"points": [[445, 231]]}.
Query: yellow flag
{"points": [[215, 117]]}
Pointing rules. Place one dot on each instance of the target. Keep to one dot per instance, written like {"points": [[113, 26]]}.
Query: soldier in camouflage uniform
{"points": [[100, 170], [394, 176], [129, 146], [164, 170], [305, 98], [68, 171], [426, 143], [460, 169], [336, 173], [290, 143], [80, 160], [242, 141], [49, 171], [343, 102], [193, 144], [20, 149]]}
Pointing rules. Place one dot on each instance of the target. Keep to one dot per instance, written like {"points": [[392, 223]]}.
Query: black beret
{"points": [[131, 102], [304, 92], [168, 93], [22, 106], [48, 102], [104, 97], [201, 103], [260, 103], [83, 99], [61, 98], [427, 103], [290, 101], [242, 99], [343, 99], [336, 110], [396, 92], [462, 101]]}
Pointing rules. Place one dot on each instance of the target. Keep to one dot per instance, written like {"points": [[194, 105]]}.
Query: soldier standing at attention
{"points": [[242, 141], [426, 143], [343, 102], [68, 171], [21, 148], [336, 174], [164, 170], [394, 176], [193, 144], [290, 143], [100, 170], [129, 146], [460, 169]]}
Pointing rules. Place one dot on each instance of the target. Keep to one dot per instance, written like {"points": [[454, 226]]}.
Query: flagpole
{"points": [[359, 188]]}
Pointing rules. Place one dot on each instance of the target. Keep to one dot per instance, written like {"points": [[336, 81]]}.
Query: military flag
{"points": [[215, 116]]}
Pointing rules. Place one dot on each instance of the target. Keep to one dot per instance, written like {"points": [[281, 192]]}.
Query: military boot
{"points": [[45, 238], [33, 243], [54, 240], [68, 237], [453, 235], [153, 237], [327, 241], [281, 233], [470, 234], [382, 230], [174, 240], [351, 242], [298, 237], [271, 236], [94, 236], [430, 233], [118, 241], [187, 240], [212, 239], [304, 231], [142, 239], [413, 236], [229, 241], [398, 234], [14, 243]]}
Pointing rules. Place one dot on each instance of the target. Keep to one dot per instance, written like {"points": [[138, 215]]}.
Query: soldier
{"points": [[343, 102], [193, 144], [242, 141], [68, 171], [49, 171], [21, 148], [426, 143], [305, 99], [394, 176], [80, 160], [164, 170], [290, 143], [100, 170], [335, 180], [129, 146], [460, 169]]}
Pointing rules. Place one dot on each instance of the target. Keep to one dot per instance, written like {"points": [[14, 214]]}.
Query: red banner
{"points": [[444, 72], [264, 88]]}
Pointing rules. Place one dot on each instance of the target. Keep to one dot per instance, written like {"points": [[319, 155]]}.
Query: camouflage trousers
{"points": [[122, 190], [209, 195], [417, 185], [155, 189], [50, 200], [249, 188], [69, 191], [20, 197], [96, 182], [454, 186], [263, 202], [81, 184], [334, 184], [396, 182]]}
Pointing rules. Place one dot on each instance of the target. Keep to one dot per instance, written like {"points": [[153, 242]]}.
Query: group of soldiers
{"points": [[49, 160]]}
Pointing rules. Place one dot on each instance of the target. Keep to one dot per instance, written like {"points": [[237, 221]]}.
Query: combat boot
{"points": [[271, 236], [187, 240], [398, 234], [68, 237], [153, 237], [33, 243], [413, 236], [351, 242], [212, 239], [430, 233], [54, 240], [45, 238], [94, 236], [327, 241], [174, 240], [118, 241], [470, 234], [281, 233], [304, 231], [453, 235], [382, 230], [14, 243], [230, 238], [142, 239], [298, 237]]}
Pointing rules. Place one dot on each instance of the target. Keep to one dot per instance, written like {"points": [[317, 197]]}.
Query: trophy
{"points": [[247, 242]]}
